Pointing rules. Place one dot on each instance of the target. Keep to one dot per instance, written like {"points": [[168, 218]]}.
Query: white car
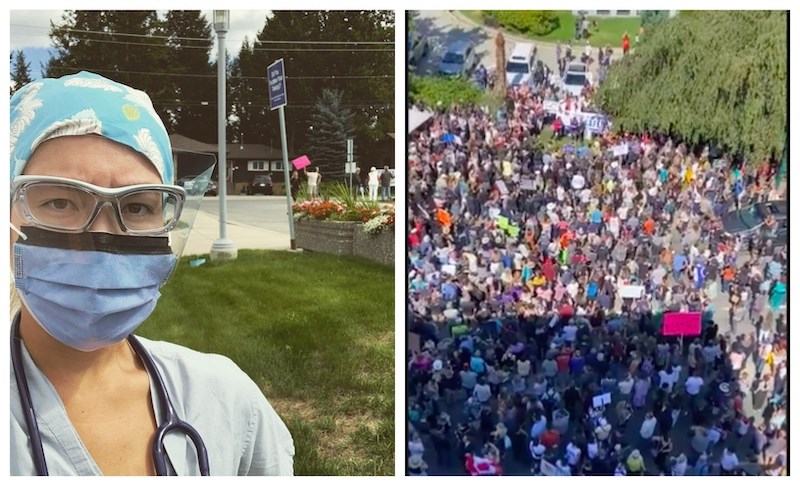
{"points": [[576, 76], [520, 65]]}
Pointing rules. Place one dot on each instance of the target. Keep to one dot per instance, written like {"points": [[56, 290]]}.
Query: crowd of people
{"points": [[524, 355]]}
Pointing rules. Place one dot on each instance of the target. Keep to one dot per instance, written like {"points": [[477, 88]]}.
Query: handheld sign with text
{"points": [[301, 162], [682, 324]]}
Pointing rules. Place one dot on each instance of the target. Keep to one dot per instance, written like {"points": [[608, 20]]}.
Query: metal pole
{"points": [[292, 243], [223, 248]]}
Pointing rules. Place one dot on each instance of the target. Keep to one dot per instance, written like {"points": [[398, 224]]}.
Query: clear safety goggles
{"points": [[71, 206]]}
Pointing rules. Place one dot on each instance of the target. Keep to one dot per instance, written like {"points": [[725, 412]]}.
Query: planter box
{"points": [[344, 238]]}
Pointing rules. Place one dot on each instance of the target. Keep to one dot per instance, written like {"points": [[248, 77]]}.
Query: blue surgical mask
{"points": [[93, 296]]}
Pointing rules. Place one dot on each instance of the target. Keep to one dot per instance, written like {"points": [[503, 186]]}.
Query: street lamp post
{"points": [[223, 248]]}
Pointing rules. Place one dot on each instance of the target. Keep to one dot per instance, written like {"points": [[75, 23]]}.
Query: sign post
{"points": [[349, 162], [276, 77]]}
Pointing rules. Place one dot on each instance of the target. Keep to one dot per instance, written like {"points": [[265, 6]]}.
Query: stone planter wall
{"points": [[344, 238], [379, 248]]}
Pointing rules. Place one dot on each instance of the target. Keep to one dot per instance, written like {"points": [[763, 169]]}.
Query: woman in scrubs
{"points": [[89, 253]]}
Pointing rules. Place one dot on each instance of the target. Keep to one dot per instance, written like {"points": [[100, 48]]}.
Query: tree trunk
{"points": [[500, 65]]}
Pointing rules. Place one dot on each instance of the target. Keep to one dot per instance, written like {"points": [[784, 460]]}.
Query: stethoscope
{"points": [[169, 419]]}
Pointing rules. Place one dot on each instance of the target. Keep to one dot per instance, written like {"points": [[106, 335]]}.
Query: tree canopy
{"points": [[20, 71], [352, 52], [331, 126], [708, 76]]}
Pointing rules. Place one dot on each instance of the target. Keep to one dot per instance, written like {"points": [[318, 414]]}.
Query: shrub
{"points": [[533, 22], [435, 90]]}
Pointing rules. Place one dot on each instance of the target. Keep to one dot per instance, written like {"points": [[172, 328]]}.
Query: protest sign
{"points": [[620, 150], [551, 106], [601, 400], [414, 341], [502, 222], [682, 324], [513, 231], [526, 184], [501, 186], [631, 291], [449, 269], [301, 162]]}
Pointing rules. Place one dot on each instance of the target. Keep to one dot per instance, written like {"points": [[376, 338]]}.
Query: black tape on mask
{"points": [[91, 241]]}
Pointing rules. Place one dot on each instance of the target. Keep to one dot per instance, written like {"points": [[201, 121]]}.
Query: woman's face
{"points": [[92, 159]]}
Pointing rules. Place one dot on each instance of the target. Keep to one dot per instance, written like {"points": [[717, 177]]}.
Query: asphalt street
{"points": [[265, 212], [444, 27]]}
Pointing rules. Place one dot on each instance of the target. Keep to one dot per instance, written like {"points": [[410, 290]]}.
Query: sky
{"points": [[29, 30]]}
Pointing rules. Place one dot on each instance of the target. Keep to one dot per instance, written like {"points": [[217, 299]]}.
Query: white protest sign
{"points": [[526, 184], [449, 269], [631, 291], [620, 150], [501, 186], [601, 400]]}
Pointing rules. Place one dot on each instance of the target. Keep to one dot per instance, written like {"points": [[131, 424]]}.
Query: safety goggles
{"points": [[71, 206]]}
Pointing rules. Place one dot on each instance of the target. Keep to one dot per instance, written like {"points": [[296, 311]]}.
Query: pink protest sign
{"points": [[682, 324], [301, 162]]}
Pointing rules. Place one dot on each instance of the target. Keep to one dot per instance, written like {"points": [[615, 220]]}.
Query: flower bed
{"points": [[331, 227]]}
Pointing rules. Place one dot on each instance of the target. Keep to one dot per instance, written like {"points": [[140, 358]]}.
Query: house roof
{"points": [[181, 142], [250, 151]]}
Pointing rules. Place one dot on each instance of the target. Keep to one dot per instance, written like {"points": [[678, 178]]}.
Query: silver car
{"points": [[459, 60], [576, 76]]}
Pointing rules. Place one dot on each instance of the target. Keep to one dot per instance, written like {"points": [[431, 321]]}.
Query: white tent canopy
{"points": [[417, 118]]}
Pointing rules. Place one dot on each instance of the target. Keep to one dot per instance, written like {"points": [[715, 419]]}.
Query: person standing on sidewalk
{"points": [[373, 182], [386, 184]]}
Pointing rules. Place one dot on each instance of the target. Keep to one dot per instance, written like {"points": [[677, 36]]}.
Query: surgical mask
{"points": [[90, 290]]}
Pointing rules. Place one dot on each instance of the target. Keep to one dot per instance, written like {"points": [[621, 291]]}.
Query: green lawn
{"points": [[315, 331], [608, 32]]}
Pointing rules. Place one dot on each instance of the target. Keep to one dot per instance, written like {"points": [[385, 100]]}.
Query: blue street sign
{"points": [[276, 78]]}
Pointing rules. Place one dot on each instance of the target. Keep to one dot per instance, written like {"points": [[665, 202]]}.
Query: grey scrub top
{"points": [[242, 432]]}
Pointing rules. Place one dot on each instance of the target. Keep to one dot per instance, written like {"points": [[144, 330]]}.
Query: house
{"points": [[244, 161]]}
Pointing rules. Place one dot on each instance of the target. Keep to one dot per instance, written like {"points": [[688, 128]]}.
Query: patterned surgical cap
{"points": [[86, 103]]}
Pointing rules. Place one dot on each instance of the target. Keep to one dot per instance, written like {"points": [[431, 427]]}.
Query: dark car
{"points": [[750, 219], [211, 188], [261, 184]]}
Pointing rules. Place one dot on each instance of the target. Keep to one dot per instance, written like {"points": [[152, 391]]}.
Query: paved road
{"points": [[443, 27], [265, 212]]}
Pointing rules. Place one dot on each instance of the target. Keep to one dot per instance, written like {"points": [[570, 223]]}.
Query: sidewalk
{"points": [[206, 230]]}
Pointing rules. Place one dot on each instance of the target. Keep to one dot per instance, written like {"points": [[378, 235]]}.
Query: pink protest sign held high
{"points": [[301, 162], [682, 324]]}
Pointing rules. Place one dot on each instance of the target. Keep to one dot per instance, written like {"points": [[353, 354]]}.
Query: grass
{"points": [[609, 30], [316, 332]]}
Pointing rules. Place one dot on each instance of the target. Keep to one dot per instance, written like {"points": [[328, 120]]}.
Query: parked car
{"points": [[576, 77], [748, 220], [186, 183], [459, 59], [520, 65], [418, 48], [261, 184]]}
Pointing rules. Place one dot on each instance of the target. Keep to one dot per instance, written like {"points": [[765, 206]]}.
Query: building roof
{"points": [[417, 118], [250, 151]]}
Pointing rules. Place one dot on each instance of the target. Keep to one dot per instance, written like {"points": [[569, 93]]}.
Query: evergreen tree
{"points": [[20, 72], [331, 126], [126, 46], [708, 76], [362, 72], [193, 81]]}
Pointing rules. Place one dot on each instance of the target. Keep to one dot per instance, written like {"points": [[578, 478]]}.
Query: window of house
{"points": [[257, 165], [276, 166], [624, 13], [603, 12]]}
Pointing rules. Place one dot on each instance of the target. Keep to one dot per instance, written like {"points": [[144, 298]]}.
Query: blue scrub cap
{"points": [[82, 104]]}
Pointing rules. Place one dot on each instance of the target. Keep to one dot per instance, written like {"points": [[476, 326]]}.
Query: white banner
{"points": [[526, 184]]}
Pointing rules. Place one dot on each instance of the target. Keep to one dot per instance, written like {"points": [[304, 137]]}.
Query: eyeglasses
{"points": [[71, 206]]}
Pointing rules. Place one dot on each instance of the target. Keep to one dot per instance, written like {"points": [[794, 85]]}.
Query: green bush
{"points": [[532, 22], [435, 90]]}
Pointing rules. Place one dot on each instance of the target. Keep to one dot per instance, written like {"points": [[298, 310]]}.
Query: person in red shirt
{"points": [[562, 362], [626, 43]]}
